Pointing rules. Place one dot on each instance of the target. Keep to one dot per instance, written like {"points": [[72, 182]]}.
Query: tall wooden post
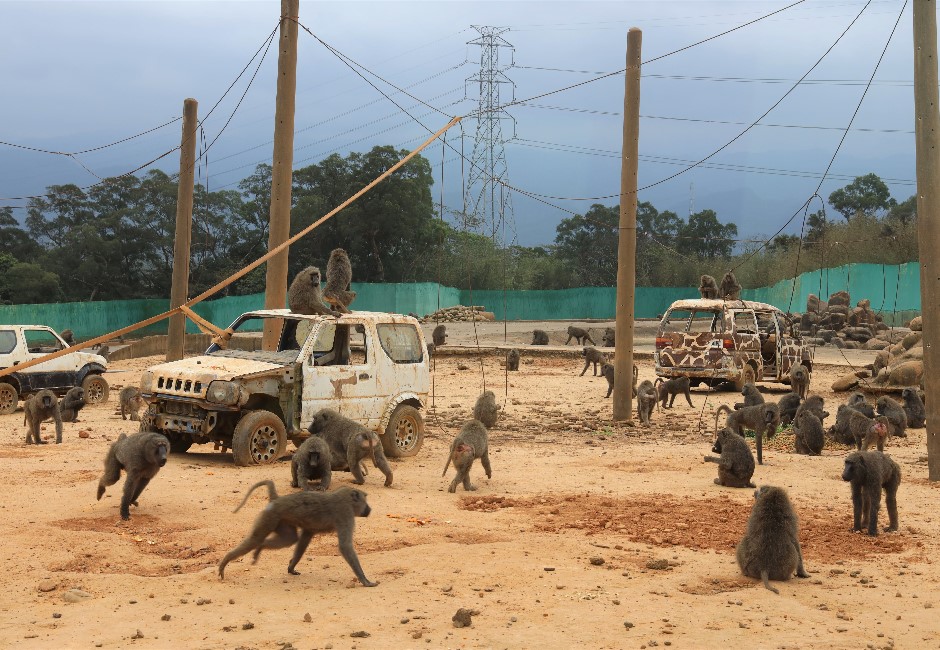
{"points": [[626, 249], [275, 292], [184, 224], [927, 129]]}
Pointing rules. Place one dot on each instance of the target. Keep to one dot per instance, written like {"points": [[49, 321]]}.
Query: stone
{"points": [[47, 585], [845, 383], [75, 596], [840, 298], [860, 334], [876, 344], [917, 324], [865, 303], [911, 340]]}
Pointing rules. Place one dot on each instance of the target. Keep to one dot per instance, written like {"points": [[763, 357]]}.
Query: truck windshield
{"points": [[294, 332]]}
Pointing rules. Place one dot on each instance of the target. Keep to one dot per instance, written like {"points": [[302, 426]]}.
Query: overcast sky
{"points": [[78, 75]]}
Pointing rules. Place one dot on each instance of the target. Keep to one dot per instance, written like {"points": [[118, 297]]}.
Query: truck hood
{"points": [[191, 377]]}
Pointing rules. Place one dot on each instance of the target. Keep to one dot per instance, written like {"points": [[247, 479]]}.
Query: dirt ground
{"points": [[589, 534]]}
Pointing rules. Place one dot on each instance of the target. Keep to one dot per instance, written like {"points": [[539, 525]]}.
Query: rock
{"points": [[860, 334], [659, 565], [852, 345], [879, 325], [361, 634], [825, 334], [839, 309], [907, 373], [84, 434], [876, 344], [836, 341], [814, 304], [916, 352], [165, 617], [138, 635], [808, 321], [845, 383], [462, 366], [859, 316], [627, 624], [308, 618], [917, 324], [865, 303], [597, 561], [840, 298], [911, 340], [47, 585], [75, 596], [462, 617]]}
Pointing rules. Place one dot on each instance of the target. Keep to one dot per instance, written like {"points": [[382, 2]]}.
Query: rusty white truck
{"points": [[372, 367]]}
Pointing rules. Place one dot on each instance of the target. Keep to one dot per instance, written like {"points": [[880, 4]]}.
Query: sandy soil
{"points": [[589, 535]]}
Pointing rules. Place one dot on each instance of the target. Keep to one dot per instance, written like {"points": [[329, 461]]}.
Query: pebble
{"points": [[548, 568], [627, 624], [361, 634], [56, 615], [203, 601], [404, 620], [248, 626], [47, 585], [658, 564], [308, 618], [462, 617], [597, 561], [84, 434], [139, 635], [513, 619], [165, 617], [75, 596]]}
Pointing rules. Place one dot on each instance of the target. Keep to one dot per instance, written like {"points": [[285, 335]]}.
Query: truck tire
{"points": [[260, 438], [96, 389], [404, 434], [8, 398]]}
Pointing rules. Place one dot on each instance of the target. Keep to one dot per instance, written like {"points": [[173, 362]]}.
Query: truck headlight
{"points": [[223, 392]]}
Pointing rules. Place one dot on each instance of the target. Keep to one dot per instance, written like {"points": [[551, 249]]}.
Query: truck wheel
{"points": [[96, 389], [260, 438], [8, 398], [747, 377], [404, 434], [179, 442]]}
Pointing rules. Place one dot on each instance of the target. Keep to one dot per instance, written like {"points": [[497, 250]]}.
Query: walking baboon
{"points": [[752, 396], [762, 419], [349, 444], [869, 472], [140, 455], [311, 462], [471, 443], [708, 288], [607, 372], [579, 334], [311, 512], [71, 404], [729, 289], [41, 407], [338, 278], [914, 409], [645, 401], [670, 388], [591, 355], [868, 431], [305, 296], [609, 339], [857, 401], [808, 434], [736, 464], [68, 337], [788, 406], [770, 549], [897, 416], [512, 360], [130, 403], [799, 379], [539, 337], [486, 410], [439, 335]]}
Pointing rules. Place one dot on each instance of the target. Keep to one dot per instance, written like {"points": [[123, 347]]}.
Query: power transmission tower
{"points": [[489, 202]]}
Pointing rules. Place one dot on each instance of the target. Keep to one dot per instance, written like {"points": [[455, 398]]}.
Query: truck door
{"points": [[57, 374]]}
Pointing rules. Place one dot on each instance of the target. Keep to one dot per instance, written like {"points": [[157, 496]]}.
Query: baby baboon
{"points": [[71, 404], [736, 465], [868, 431], [813, 404], [808, 434], [670, 388], [645, 401], [471, 443], [869, 472], [857, 402], [305, 296], [708, 287], [608, 339], [729, 289], [752, 396], [439, 335], [607, 372], [68, 337], [486, 410], [311, 512], [38, 408], [103, 351], [338, 278], [130, 403], [897, 416], [539, 337], [770, 549], [579, 334], [591, 355], [914, 409], [140, 455], [349, 443], [311, 462], [762, 419], [799, 379], [512, 360], [788, 406]]}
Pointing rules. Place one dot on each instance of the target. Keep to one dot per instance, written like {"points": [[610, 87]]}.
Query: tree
{"points": [[13, 239], [588, 245], [866, 195], [904, 212], [706, 237], [28, 283]]}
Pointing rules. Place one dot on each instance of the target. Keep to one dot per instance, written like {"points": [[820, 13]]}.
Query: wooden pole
{"points": [[184, 225], [927, 130], [275, 292], [626, 249]]}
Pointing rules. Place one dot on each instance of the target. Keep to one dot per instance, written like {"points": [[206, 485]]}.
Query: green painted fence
{"points": [[893, 290]]}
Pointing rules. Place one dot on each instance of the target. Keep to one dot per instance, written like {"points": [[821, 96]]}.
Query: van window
{"points": [[400, 342], [42, 341], [744, 323], [683, 320], [340, 345]]}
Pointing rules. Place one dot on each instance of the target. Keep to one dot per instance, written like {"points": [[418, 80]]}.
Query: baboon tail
{"points": [[272, 492], [446, 465], [764, 576]]}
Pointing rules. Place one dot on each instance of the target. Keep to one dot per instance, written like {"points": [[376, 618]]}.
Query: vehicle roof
{"points": [[378, 316], [31, 325], [717, 303]]}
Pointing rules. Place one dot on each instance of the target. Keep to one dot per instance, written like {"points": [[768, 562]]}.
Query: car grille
{"points": [[179, 386]]}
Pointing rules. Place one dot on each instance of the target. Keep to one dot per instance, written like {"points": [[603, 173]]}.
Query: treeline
{"points": [[114, 241]]}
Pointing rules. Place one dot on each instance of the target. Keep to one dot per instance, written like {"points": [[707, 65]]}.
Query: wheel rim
{"points": [[406, 434], [7, 398], [264, 444], [94, 391]]}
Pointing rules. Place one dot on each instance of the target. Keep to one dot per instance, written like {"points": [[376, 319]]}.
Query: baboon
{"points": [[636, 378], [338, 277], [770, 549], [512, 360], [670, 388], [140, 455], [471, 443], [708, 287], [311, 462], [729, 289], [431, 350], [897, 416], [914, 409], [71, 404], [808, 434], [38, 408], [68, 337], [869, 472], [591, 355], [736, 464], [752, 396], [762, 419], [868, 431], [645, 400], [607, 372], [857, 401], [840, 431], [788, 406], [799, 379], [439, 335], [130, 403], [539, 337], [349, 443], [103, 351], [608, 339], [312, 512], [486, 410], [814, 404], [305, 296], [579, 334]]}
